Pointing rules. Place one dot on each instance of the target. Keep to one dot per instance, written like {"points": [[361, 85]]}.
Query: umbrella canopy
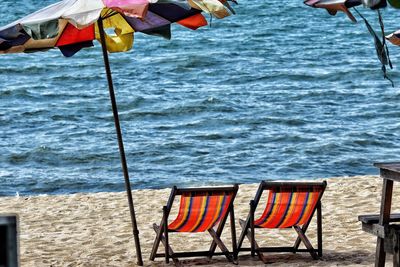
{"points": [[71, 25]]}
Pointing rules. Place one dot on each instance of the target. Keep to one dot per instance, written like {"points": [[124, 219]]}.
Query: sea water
{"points": [[277, 91]]}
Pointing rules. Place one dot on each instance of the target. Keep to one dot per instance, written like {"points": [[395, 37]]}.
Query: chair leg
{"points": [[218, 232], [157, 229], [319, 228], [298, 240], [304, 229], [156, 243], [165, 228], [233, 235], [246, 232], [396, 252], [252, 232], [220, 244], [306, 242], [246, 225]]}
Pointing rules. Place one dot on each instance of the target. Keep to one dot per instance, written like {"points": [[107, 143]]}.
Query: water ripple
{"points": [[277, 91]]}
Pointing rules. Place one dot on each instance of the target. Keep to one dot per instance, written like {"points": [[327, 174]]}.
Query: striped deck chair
{"points": [[200, 210], [289, 205]]}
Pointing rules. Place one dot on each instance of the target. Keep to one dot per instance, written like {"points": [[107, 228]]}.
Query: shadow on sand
{"points": [[330, 258]]}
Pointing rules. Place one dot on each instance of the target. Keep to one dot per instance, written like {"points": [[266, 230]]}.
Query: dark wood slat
{"points": [[252, 231], [374, 218], [386, 203], [190, 254], [272, 249], [319, 228], [389, 166], [279, 186], [279, 249], [233, 234], [221, 189], [165, 227]]}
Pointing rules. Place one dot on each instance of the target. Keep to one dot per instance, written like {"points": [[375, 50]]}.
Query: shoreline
{"points": [[94, 229]]}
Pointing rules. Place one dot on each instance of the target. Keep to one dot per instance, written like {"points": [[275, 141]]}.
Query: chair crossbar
{"points": [[204, 253], [305, 250], [272, 249], [279, 249], [180, 191], [266, 185]]}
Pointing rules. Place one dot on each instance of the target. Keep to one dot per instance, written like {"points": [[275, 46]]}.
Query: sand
{"points": [[95, 229]]}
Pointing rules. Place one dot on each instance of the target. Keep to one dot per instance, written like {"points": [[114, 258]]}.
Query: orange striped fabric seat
{"points": [[286, 207], [199, 212]]}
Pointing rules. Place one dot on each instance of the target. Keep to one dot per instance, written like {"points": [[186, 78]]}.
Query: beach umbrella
{"points": [[71, 25]]}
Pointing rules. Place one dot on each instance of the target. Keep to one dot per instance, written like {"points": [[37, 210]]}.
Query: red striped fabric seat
{"points": [[199, 212], [287, 207], [203, 209]]}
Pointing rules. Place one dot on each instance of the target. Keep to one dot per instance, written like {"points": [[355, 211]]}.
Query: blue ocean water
{"points": [[279, 90]]}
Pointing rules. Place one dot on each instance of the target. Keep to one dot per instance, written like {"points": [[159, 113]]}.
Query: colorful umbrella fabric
{"points": [[333, 6], [71, 25], [394, 38]]}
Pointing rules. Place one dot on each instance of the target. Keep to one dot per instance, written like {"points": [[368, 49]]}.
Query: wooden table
{"points": [[389, 172]]}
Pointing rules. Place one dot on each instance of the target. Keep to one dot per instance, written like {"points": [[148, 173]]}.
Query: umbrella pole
{"points": [[120, 144]]}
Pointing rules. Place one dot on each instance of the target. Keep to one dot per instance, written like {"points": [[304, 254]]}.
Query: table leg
{"points": [[396, 252], [386, 203]]}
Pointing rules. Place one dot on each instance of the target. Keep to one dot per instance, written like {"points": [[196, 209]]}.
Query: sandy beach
{"points": [[95, 230]]}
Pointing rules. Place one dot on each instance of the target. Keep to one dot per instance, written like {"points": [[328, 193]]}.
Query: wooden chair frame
{"points": [[162, 230], [248, 227]]}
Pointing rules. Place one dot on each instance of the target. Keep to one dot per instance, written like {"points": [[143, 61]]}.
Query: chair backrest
{"points": [[289, 203], [202, 208]]}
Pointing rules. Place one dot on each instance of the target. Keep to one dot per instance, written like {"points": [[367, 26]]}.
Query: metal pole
{"points": [[120, 143]]}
